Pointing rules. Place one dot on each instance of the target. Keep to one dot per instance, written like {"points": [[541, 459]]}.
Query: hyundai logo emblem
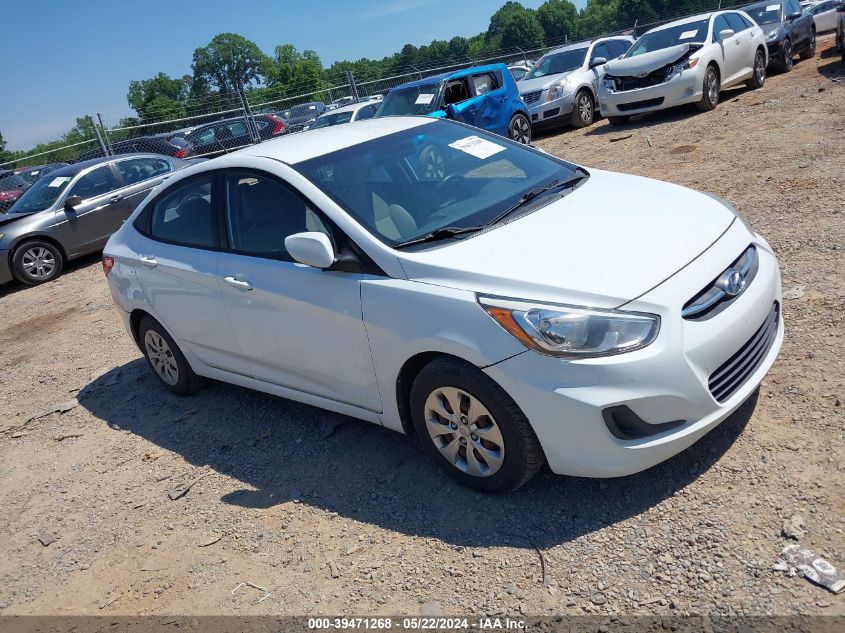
{"points": [[731, 282]]}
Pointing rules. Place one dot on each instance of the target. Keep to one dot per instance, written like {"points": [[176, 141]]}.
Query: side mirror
{"points": [[597, 61], [794, 15], [725, 34], [450, 111], [72, 201], [311, 248]]}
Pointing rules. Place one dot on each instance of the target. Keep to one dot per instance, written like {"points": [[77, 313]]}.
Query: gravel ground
{"points": [[336, 516]]}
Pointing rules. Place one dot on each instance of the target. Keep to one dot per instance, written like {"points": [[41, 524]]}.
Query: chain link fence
{"points": [[223, 122]]}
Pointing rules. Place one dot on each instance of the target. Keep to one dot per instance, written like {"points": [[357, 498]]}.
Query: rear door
{"points": [[177, 270], [88, 225], [744, 38], [139, 176], [299, 327]]}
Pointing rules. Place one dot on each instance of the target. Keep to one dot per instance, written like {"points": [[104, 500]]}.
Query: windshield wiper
{"points": [[533, 194], [440, 234]]}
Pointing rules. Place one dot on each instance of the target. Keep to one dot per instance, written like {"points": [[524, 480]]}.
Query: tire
{"points": [[37, 262], [809, 51], [710, 90], [618, 120], [519, 129], [787, 63], [503, 430], [167, 362], [583, 109], [432, 163], [758, 72]]}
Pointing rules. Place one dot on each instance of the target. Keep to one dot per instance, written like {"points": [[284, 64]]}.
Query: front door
{"points": [[89, 224], [300, 327]]}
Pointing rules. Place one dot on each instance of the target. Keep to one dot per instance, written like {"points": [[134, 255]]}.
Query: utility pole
{"points": [[99, 138], [353, 89], [105, 134]]}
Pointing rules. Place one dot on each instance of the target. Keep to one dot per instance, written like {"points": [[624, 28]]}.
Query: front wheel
{"points": [[36, 262], [809, 51], [166, 360], [472, 428], [519, 129], [709, 91], [618, 120], [583, 111], [758, 74], [788, 62]]}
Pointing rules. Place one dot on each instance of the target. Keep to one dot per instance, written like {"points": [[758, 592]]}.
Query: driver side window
{"points": [[600, 50], [456, 91], [95, 183], [719, 25]]}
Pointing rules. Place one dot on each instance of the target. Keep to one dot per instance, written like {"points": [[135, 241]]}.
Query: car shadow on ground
{"points": [[282, 450], [15, 286], [831, 65]]}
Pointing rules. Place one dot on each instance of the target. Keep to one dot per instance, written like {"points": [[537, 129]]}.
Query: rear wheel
{"points": [[618, 120], [166, 360], [710, 90], [758, 74], [788, 62], [519, 129], [472, 428], [809, 51], [583, 111], [36, 262]]}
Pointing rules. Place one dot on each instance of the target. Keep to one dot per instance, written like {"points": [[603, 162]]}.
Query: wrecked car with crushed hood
{"points": [[687, 61]]}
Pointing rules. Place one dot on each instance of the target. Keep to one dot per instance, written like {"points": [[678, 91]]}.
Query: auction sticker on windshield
{"points": [[424, 99], [772, 7], [688, 34], [59, 181], [476, 146]]}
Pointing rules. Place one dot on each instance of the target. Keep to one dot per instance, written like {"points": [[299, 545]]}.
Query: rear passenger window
{"points": [[366, 112], [94, 183], [261, 213], [484, 83], [735, 21], [185, 215], [140, 169]]}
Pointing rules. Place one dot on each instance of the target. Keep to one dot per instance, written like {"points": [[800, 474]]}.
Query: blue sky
{"points": [[69, 58]]}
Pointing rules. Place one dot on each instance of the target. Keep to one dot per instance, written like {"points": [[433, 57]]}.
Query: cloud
{"points": [[394, 7]]}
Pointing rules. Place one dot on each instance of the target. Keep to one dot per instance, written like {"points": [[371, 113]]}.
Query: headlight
{"points": [[677, 69], [772, 34], [558, 90], [610, 84], [570, 331]]}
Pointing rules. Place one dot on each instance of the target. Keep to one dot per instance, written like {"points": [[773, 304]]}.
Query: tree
{"points": [[292, 71], [230, 62], [599, 16], [522, 30], [502, 17], [558, 18], [161, 97], [3, 156], [459, 48]]}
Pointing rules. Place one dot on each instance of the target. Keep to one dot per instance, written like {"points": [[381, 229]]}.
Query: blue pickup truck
{"points": [[482, 96]]}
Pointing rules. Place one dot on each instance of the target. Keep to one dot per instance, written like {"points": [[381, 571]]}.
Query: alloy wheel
{"points": [[759, 69], [712, 86], [787, 55], [434, 167], [38, 262], [161, 357], [521, 130], [585, 109], [464, 431]]}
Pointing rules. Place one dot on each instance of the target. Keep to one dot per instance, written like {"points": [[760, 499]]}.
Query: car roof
{"points": [[295, 148], [761, 4], [352, 107], [449, 75], [586, 43], [687, 20], [75, 168]]}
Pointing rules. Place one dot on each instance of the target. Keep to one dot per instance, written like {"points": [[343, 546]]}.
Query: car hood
{"points": [[540, 83], [607, 242], [768, 26], [5, 218], [647, 62]]}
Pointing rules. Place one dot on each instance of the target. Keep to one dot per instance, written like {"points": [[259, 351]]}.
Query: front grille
{"points": [[732, 374], [713, 298], [531, 97], [636, 105], [623, 84]]}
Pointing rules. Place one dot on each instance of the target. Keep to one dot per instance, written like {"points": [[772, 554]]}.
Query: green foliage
{"points": [[523, 30], [559, 18], [230, 62]]}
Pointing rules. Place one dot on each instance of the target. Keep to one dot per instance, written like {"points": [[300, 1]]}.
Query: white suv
{"points": [[507, 307]]}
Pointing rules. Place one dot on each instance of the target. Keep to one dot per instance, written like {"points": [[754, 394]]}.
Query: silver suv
{"points": [[561, 88], [73, 211]]}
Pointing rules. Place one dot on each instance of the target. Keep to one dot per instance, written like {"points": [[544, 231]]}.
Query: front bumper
{"points": [[775, 50], [5, 271], [685, 88], [664, 382], [550, 113]]}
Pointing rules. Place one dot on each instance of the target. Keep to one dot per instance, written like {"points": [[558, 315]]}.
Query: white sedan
{"points": [[507, 307], [687, 61], [825, 14], [345, 114]]}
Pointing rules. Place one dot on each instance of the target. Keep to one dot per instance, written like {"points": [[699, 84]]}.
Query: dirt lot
{"points": [[336, 516]]}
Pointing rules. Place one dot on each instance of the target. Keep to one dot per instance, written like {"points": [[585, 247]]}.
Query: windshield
{"points": [[418, 99], [303, 110], [688, 33], [41, 195], [11, 180], [555, 63], [764, 13], [335, 118], [407, 184]]}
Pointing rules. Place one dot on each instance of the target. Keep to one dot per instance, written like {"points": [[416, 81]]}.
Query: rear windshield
{"points": [[335, 118], [12, 181], [555, 63], [418, 99], [41, 195], [688, 33]]}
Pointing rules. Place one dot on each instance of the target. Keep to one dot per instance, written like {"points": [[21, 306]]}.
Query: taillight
{"points": [[181, 153], [108, 264], [279, 125]]}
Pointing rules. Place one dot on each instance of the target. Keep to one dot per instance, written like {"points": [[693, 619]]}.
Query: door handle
{"points": [[148, 260], [114, 199], [242, 284]]}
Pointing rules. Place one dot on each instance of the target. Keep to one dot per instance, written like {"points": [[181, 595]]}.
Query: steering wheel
{"points": [[449, 181]]}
